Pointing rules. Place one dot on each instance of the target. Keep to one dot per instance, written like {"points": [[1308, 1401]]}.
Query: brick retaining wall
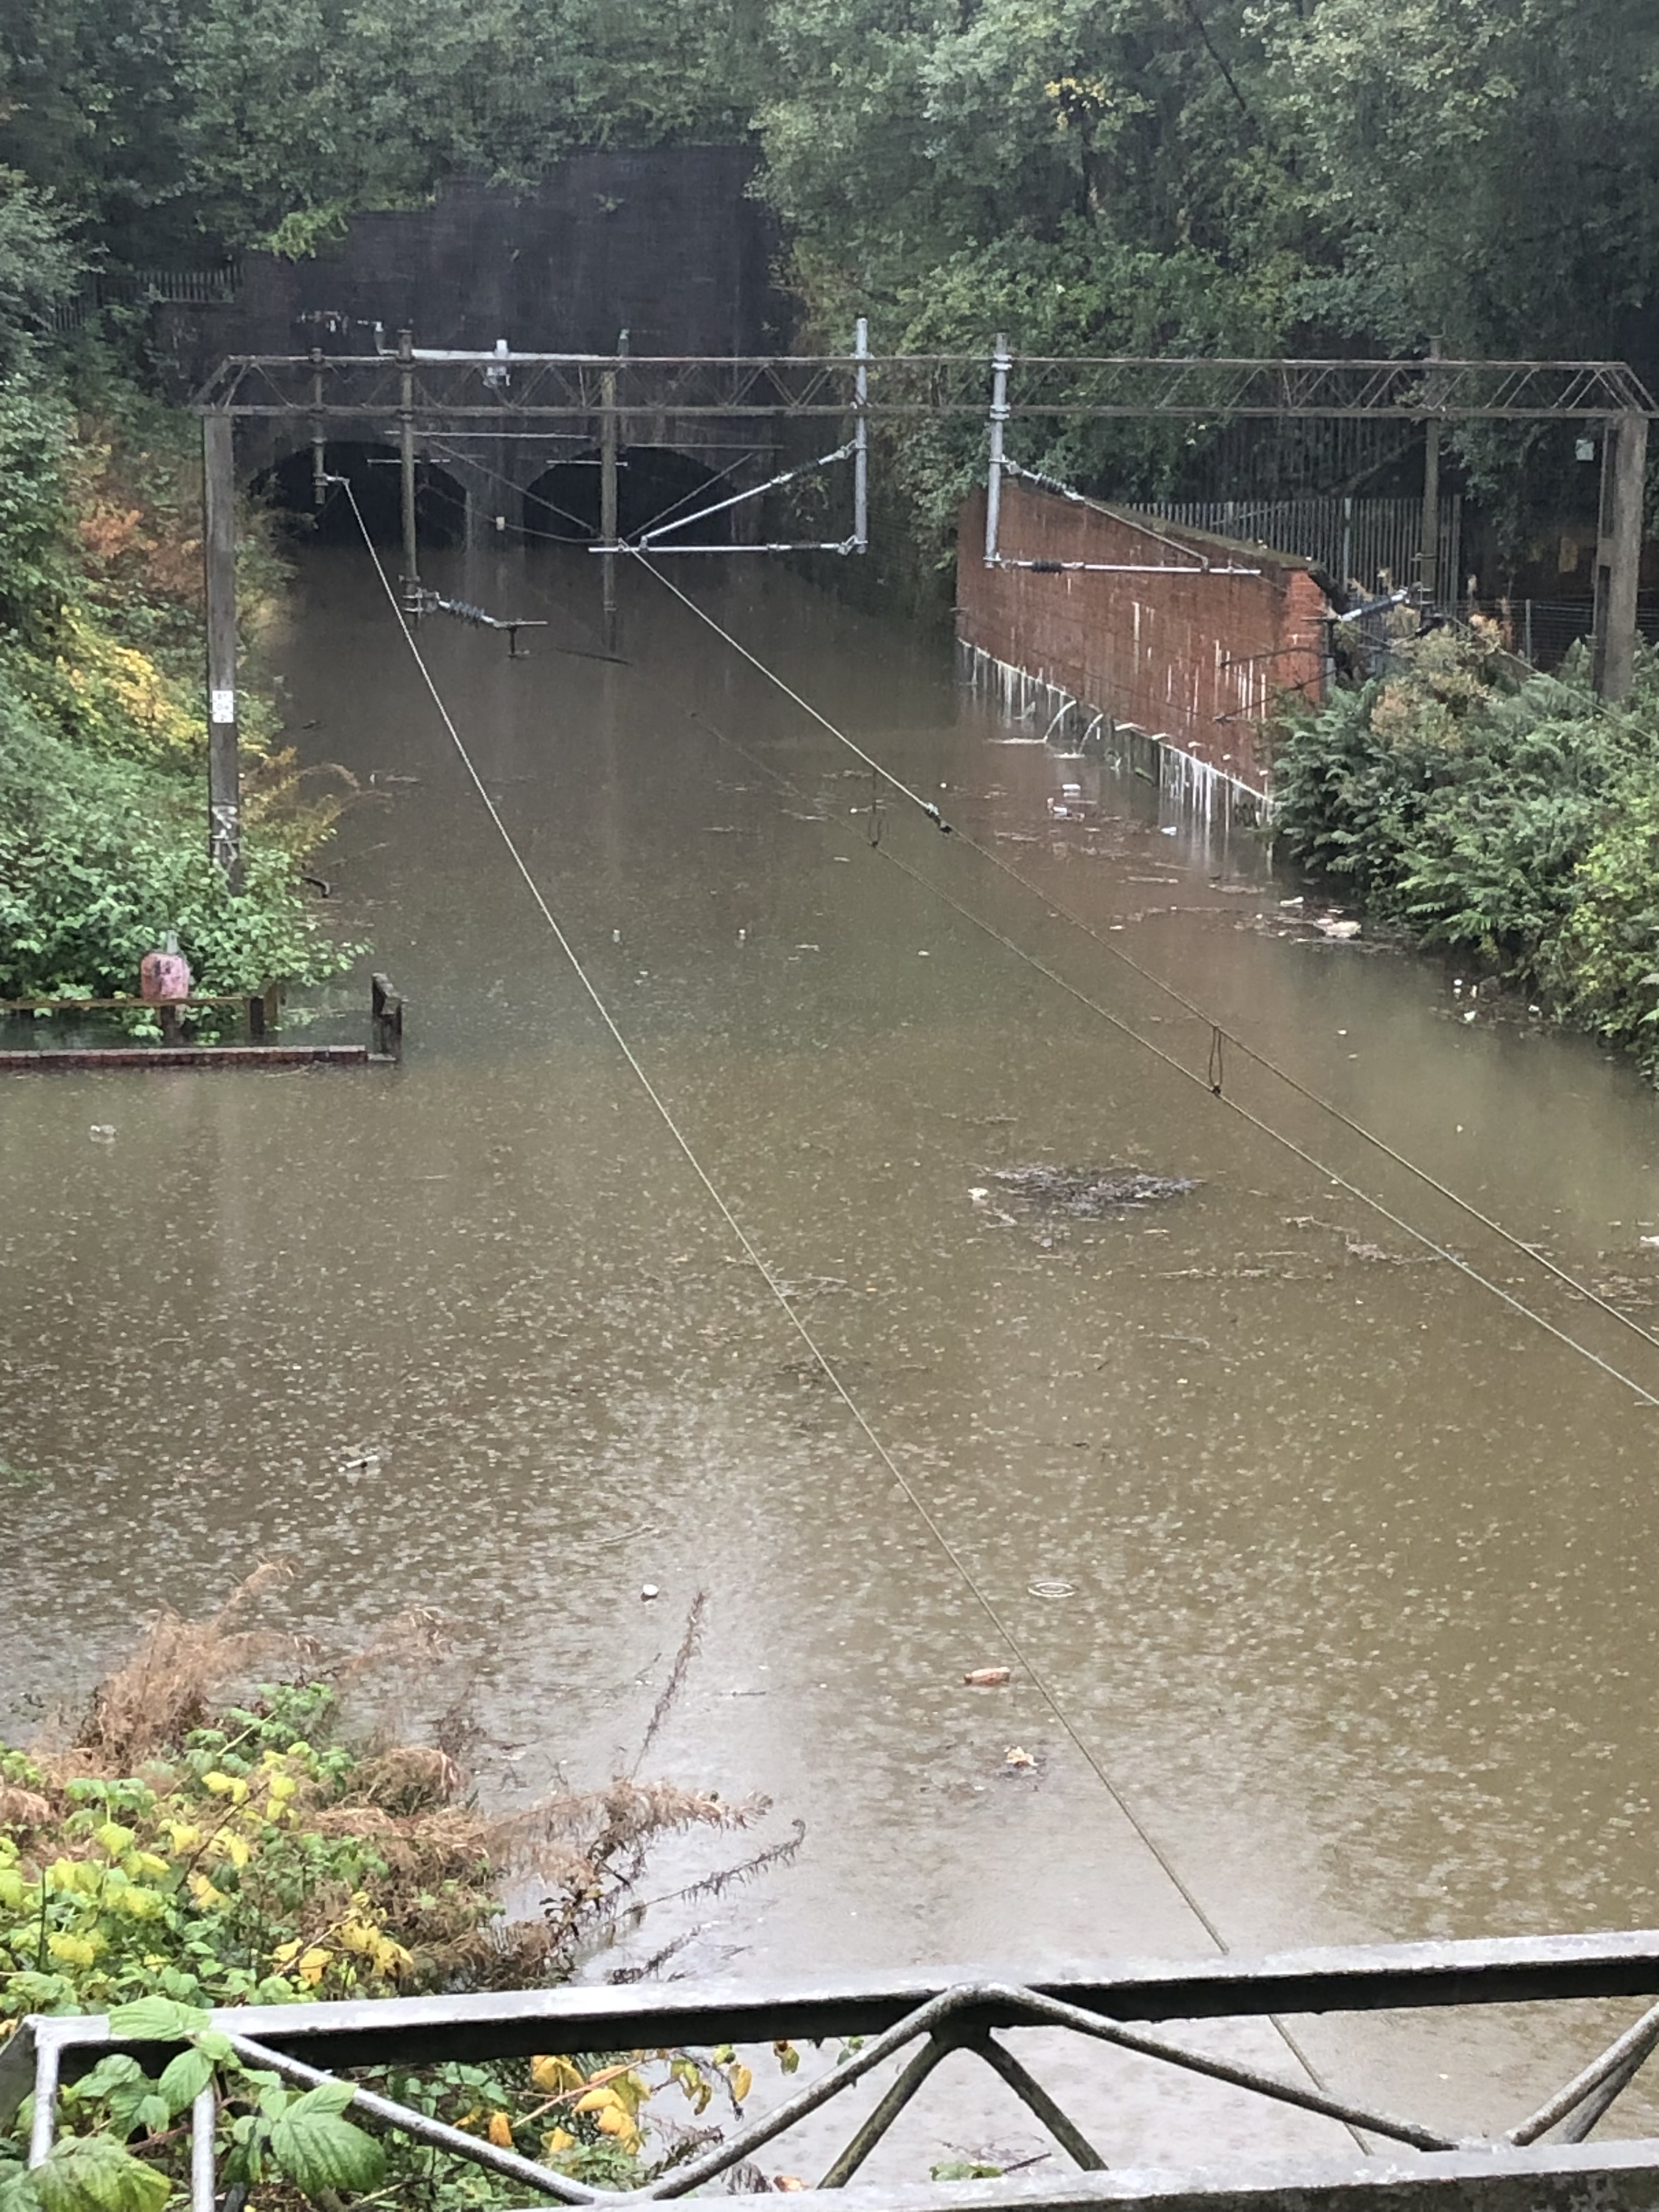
{"points": [[1194, 660]]}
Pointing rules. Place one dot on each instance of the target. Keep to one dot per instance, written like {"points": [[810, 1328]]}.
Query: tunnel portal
{"points": [[654, 484], [371, 470]]}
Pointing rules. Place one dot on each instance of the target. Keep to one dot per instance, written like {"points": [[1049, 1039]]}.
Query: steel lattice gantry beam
{"points": [[553, 387], [401, 393]]}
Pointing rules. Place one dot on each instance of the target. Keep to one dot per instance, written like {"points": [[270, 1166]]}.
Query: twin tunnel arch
{"points": [[560, 504]]}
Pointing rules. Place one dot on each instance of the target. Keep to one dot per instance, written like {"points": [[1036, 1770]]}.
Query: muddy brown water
{"points": [[1360, 1562]]}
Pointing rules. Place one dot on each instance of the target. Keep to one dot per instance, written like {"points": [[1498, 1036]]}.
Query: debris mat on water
{"points": [[1086, 1193]]}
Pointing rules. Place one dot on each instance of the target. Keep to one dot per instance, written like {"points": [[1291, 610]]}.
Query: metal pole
{"points": [[319, 437], [406, 447], [608, 502], [861, 437], [999, 418], [219, 555], [1428, 558], [1619, 552]]}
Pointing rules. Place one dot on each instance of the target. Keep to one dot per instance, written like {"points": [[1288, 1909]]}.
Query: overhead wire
{"points": [[1528, 1252], [773, 1284]]}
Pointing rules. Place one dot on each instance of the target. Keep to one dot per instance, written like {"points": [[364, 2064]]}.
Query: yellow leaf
{"points": [[182, 1835], [614, 2121], [556, 2140], [555, 2075], [285, 1953], [598, 2100], [631, 2091], [236, 1849], [742, 2082], [283, 1785], [221, 1785], [501, 2131], [114, 1838], [205, 1895], [72, 1950], [313, 1965], [391, 1958]]}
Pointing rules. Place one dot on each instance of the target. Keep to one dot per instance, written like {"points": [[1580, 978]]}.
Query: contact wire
{"points": [[1250, 1052]]}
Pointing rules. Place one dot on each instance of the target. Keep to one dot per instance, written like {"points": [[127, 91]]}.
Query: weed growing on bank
{"points": [[103, 831], [188, 1851], [1491, 810]]}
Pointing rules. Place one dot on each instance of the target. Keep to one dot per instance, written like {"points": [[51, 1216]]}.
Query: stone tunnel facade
{"points": [[664, 245]]}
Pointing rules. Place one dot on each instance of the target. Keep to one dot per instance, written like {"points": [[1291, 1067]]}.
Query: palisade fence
{"points": [[1374, 544], [145, 287]]}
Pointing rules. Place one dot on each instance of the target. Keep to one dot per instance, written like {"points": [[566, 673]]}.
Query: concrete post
{"points": [[406, 457], [1619, 552]]}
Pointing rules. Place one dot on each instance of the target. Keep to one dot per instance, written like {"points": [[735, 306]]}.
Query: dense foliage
{"points": [[1508, 815], [103, 846]]}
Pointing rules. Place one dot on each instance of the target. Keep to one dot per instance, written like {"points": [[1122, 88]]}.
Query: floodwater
{"points": [[1352, 1564]]}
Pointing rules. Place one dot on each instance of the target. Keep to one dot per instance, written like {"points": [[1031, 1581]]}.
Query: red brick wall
{"points": [[1191, 657]]}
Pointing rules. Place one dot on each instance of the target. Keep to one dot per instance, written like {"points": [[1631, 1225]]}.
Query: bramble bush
{"points": [[188, 1854], [1489, 809]]}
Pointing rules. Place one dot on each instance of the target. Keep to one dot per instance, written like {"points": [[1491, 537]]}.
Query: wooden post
{"points": [[406, 454], [607, 444], [1619, 552], [219, 551], [385, 1012]]}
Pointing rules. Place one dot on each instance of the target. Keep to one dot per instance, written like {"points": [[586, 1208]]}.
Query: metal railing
{"points": [[1354, 540], [920, 2021]]}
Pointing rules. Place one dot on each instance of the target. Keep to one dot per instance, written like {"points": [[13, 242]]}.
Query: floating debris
{"points": [[1087, 1194], [987, 1678]]}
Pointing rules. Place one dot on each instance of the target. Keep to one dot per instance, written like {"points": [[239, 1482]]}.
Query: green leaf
{"points": [[184, 2078], [317, 2149], [16, 2188], [111, 2073], [334, 2097], [93, 2174], [155, 2020]]}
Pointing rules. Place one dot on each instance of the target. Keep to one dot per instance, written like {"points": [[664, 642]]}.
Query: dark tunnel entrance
{"points": [[373, 474], [654, 484]]}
